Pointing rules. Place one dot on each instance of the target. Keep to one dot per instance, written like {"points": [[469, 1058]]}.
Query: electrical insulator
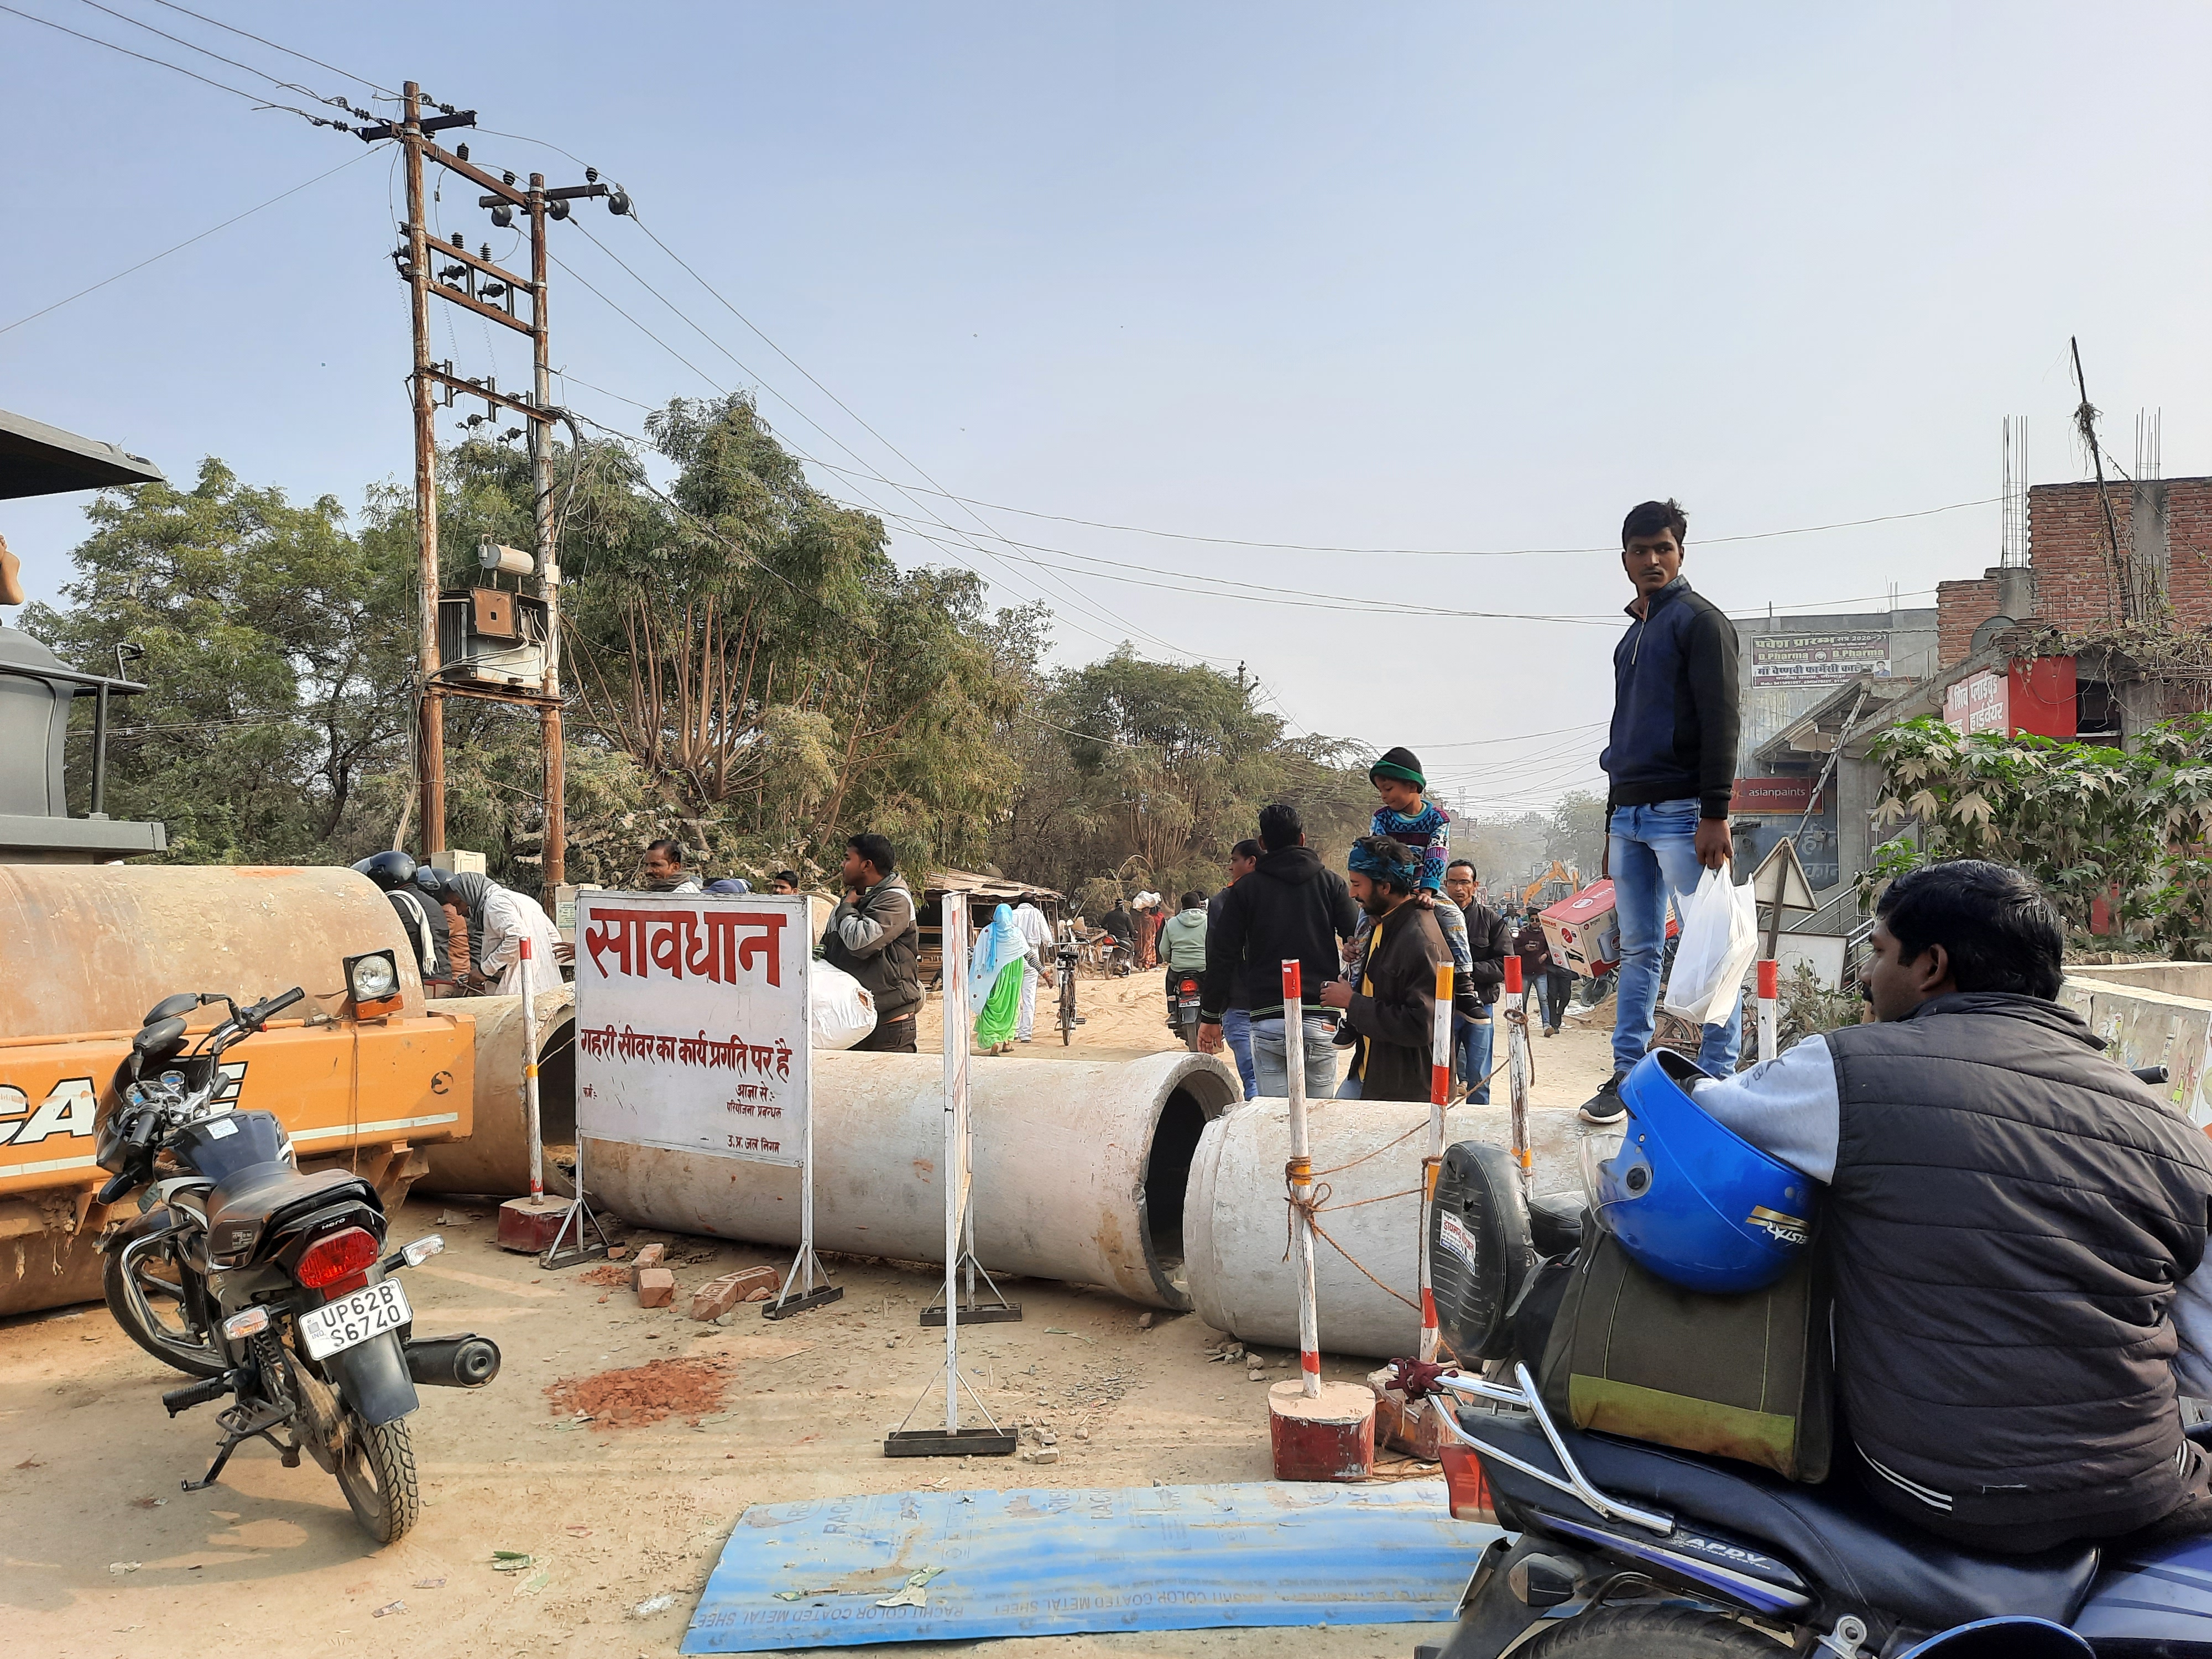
{"points": [[591, 175], [457, 242], [502, 215], [462, 151], [491, 290], [619, 202], [558, 207], [507, 177]]}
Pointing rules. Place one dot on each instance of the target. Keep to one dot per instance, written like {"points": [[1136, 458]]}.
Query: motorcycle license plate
{"points": [[352, 1320]]}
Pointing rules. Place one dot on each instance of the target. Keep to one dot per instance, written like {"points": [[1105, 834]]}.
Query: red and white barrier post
{"points": [[1318, 1431], [530, 1224], [1770, 993], [1517, 1059], [1440, 1066]]}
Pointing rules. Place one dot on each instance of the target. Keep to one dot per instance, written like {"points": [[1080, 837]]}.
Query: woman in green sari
{"points": [[994, 975]]}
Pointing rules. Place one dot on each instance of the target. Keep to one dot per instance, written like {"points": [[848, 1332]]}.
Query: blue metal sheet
{"points": [[1052, 1563]]}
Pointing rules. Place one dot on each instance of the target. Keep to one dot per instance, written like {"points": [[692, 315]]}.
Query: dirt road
{"points": [[104, 1556]]}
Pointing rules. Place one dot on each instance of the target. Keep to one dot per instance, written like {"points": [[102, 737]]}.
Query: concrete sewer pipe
{"points": [[1081, 1168], [496, 1158], [1235, 1217]]}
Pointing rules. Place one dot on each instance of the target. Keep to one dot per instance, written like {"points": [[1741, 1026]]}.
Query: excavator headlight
{"points": [[373, 982]]}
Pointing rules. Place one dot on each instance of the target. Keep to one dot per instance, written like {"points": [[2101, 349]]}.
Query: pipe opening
{"points": [[1199, 1097], [557, 1083]]}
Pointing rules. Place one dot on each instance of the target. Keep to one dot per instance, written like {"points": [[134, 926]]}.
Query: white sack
{"points": [[844, 1012]]}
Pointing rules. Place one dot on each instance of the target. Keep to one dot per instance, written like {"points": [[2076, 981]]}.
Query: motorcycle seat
{"points": [[1861, 1554], [1555, 1224], [258, 1191]]}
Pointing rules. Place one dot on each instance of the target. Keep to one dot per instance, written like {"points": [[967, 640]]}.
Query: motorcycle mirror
{"points": [[169, 1007], [158, 1036]]}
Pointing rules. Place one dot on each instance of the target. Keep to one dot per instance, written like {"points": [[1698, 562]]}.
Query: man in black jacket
{"points": [[2014, 1228], [1291, 907], [1671, 766], [1236, 1018], [1473, 1030]]}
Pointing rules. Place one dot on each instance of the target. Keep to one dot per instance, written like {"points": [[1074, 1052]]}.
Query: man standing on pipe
{"points": [[1291, 907], [872, 936], [1393, 1012], [1671, 765]]}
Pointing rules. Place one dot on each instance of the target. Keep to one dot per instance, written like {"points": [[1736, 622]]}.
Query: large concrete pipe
{"points": [[496, 1157], [91, 947], [1081, 1166], [1368, 1154]]}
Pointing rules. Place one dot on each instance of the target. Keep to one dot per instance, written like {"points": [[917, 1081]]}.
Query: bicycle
{"points": [[1069, 953]]}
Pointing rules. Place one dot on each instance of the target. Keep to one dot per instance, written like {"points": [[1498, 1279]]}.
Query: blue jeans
{"points": [[1471, 1043], [1271, 1060], [1653, 855], [1236, 1032]]}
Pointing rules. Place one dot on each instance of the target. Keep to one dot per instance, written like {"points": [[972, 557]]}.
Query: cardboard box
{"points": [[1584, 934]]}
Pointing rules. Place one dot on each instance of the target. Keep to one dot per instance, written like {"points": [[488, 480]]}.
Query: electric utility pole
{"points": [[473, 282]]}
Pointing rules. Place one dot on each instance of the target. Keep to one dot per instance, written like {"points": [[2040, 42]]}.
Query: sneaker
{"points": [[1605, 1106]]}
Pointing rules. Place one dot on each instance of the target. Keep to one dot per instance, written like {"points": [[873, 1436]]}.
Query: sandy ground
{"points": [[104, 1555]]}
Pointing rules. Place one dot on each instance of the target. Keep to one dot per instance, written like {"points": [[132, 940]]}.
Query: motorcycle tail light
{"points": [[329, 1259]]}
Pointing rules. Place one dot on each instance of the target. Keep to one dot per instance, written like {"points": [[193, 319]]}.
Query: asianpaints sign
{"points": [[691, 1023]]}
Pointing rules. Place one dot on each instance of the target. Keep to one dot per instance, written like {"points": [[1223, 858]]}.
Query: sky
{"points": [[1471, 280]]}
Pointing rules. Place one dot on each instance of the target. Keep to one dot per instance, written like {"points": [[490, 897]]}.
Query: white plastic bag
{"points": [[1720, 937], [843, 1012]]}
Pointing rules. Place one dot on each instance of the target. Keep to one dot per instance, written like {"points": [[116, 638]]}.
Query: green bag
{"points": [[1746, 1377]]}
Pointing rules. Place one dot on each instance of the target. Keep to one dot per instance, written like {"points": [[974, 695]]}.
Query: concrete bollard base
{"points": [[1329, 1438], [527, 1225]]}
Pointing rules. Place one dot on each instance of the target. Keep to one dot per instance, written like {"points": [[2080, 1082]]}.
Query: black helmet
{"points": [[431, 881], [388, 870]]}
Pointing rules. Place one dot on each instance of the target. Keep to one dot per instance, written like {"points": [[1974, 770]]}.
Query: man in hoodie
{"points": [[1291, 907], [1671, 762], [1182, 945], [872, 936]]}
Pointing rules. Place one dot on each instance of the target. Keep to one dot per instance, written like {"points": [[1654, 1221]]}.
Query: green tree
{"points": [[276, 653]]}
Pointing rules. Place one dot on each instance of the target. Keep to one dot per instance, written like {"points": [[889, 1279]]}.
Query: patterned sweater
{"points": [[1428, 832]]}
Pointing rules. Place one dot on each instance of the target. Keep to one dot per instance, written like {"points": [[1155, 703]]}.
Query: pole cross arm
{"points": [[467, 118]]}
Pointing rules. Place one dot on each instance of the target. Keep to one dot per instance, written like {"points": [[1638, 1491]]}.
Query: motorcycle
{"points": [[270, 1286], [1182, 1011], [1621, 1549]]}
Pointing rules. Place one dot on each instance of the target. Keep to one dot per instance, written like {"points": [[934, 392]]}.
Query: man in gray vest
{"points": [[2014, 1226]]}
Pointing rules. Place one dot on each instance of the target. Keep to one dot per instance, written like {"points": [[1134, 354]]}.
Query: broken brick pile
{"points": [[643, 1394]]}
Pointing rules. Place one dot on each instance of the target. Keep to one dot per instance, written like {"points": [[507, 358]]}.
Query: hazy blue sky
{"points": [[1445, 277]]}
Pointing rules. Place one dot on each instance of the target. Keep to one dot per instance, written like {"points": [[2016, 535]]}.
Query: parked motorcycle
{"points": [[271, 1286], [1620, 1549]]}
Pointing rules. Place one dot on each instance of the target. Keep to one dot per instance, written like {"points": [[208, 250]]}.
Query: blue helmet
{"points": [[1690, 1199]]}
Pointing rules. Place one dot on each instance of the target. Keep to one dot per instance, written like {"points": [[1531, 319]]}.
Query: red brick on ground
{"points": [[656, 1287], [717, 1296]]}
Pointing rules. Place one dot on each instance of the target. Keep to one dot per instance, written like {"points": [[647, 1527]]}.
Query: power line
{"points": [[286, 50], [178, 39], [1428, 552], [188, 242], [254, 99]]}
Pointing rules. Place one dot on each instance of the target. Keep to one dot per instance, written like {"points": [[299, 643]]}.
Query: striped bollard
{"points": [[1770, 991], [1440, 1059], [1318, 1431], [530, 1225], [1518, 1066]]}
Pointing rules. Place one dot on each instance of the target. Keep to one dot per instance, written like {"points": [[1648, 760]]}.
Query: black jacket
{"points": [[1291, 905], [1674, 718], [2010, 1216], [1489, 943]]}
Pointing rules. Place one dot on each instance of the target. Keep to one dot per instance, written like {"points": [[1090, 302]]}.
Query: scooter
{"points": [[1182, 1010], [1618, 1549]]}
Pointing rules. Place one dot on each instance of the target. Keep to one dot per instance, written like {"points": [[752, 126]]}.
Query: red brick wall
{"points": [[2073, 583], [1960, 608]]}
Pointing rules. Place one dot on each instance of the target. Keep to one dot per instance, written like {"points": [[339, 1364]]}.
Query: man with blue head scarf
{"points": [[1392, 1010]]}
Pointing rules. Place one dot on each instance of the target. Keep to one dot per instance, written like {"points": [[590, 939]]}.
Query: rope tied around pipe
{"points": [[1298, 1172]]}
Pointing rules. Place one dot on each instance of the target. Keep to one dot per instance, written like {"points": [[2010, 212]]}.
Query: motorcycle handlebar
{"points": [[259, 1017]]}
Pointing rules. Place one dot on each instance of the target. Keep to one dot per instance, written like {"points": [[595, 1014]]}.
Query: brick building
{"points": [[2073, 583]]}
